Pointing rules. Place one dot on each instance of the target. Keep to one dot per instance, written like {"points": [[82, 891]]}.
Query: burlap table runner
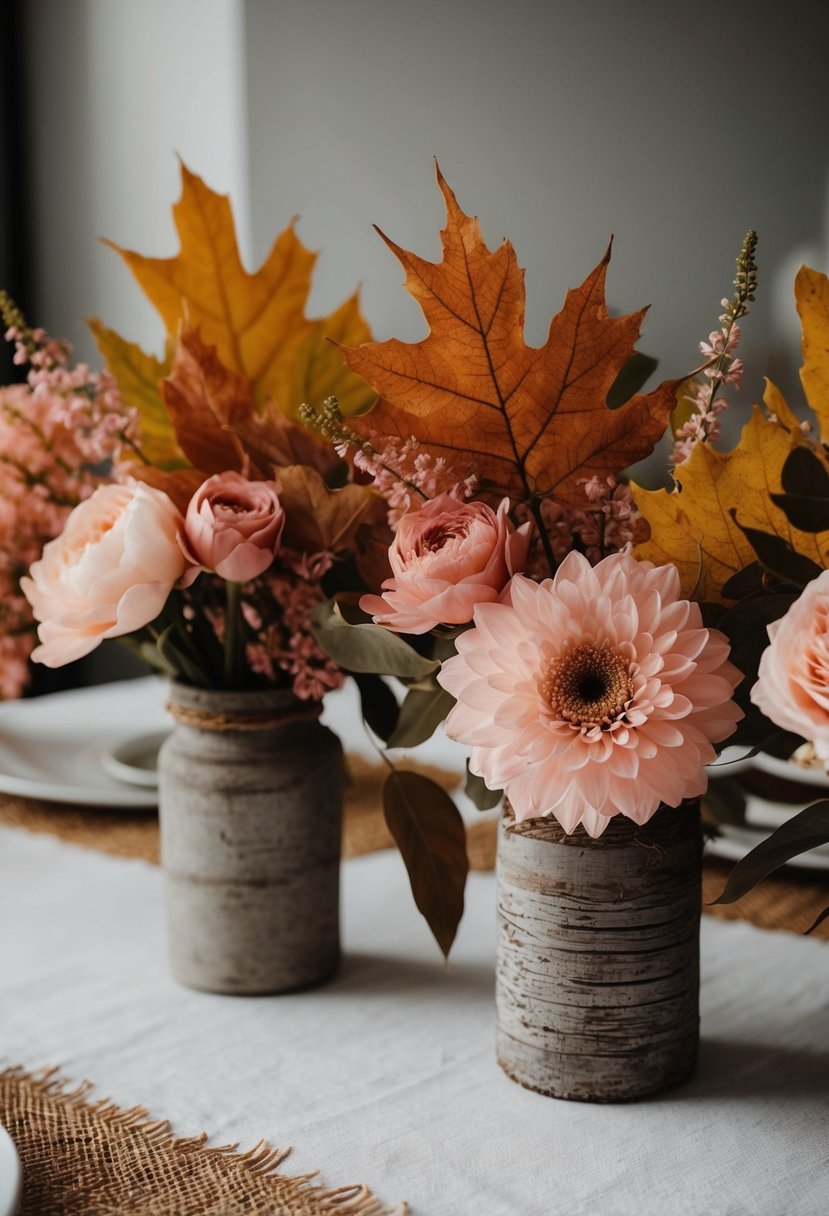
{"points": [[791, 899], [85, 1156]]}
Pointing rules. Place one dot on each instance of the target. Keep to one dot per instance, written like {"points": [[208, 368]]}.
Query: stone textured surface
{"points": [[250, 846], [598, 956]]}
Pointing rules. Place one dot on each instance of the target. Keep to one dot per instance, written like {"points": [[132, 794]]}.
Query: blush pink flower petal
{"points": [[793, 678], [594, 694], [233, 526], [108, 573], [446, 558]]}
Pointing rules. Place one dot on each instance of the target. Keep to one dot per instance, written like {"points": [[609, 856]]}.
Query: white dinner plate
{"points": [[10, 1175], [53, 747]]}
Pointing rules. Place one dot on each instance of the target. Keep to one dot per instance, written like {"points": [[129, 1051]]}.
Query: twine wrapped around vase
{"points": [[598, 955]]}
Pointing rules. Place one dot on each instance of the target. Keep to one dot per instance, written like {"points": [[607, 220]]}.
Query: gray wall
{"points": [[674, 126]]}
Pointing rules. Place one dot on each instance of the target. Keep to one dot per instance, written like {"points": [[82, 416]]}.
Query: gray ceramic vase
{"points": [[598, 955], [250, 801]]}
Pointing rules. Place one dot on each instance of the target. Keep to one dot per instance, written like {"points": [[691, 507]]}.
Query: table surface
{"points": [[387, 1076]]}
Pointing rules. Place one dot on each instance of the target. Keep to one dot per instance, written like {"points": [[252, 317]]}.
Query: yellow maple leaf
{"points": [[693, 527], [256, 322], [139, 376], [811, 291]]}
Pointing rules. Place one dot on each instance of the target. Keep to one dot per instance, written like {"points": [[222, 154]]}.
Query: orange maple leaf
{"points": [[528, 421]]}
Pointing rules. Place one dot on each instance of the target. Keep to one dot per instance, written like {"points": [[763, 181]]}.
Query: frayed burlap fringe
{"points": [[85, 1156]]}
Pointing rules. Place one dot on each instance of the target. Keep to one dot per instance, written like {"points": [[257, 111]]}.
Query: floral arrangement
{"points": [[58, 431], [222, 522], [456, 514], [575, 662], [594, 643]]}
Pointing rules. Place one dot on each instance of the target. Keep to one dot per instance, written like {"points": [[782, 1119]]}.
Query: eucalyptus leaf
{"points": [[778, 557], [817, 921], [803, 473], [809, 829], [176, 657], [744, 582], [807, 514], [379, 704], [635, 371], [429, 831], [366, 648], [484, 798], [420, 715]]}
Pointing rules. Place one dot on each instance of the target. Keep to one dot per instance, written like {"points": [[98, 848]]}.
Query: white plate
{"points": [[735, 842], [53, 747], [10, 1175], [135, 760]]}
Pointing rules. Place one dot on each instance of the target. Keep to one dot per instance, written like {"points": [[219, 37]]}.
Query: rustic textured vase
{"points": [[598, 955], [250, 801]]}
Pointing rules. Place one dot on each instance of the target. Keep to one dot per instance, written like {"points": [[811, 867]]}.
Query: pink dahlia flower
{"points": [[446, 558], [793, 679], [593, 694]]}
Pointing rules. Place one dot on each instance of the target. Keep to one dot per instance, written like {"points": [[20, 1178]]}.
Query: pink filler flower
{"points": [[793, 679], [446, 558], [593, 694], [233, 526]]}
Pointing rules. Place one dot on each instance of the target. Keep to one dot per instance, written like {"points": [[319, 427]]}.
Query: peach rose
{"points": [[108, 573], [233, 526], [793, 680], [446, 558]]}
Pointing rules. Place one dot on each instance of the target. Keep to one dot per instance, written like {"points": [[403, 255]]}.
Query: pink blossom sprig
{"points": [[400, 470], [723, 367], [59, 432]]}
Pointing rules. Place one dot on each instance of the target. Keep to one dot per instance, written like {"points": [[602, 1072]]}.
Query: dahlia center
{"points": [[588, 684]]}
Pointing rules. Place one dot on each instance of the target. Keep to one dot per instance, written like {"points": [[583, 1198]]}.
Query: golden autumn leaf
{"points": [[811, 291], [256, 321], [693, 526], [528, 420], [139, 376], [204, 401], [317, 517]]}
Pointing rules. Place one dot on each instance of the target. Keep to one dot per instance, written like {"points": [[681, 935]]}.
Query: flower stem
{"points": [[233, 621]]}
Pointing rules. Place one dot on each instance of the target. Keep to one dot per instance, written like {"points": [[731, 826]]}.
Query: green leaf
{"points": [[807, 830], [817, 921], [484, 798], [428, 830], [778, 557], [421, 714], [379, 704], [804, 474], [175, 656], [366, 648], [744, 582], [631, 379], [807, 514]]}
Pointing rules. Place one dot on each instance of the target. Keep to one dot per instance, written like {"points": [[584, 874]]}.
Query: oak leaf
{"points": [[256, 321], [693, 526], [528, 421], [318, 518]]}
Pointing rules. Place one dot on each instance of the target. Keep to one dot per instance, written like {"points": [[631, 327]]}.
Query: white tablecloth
{"points": [[387, 1076]]}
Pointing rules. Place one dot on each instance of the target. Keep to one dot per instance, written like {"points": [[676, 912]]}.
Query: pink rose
{"points": [[793, 681], [446, 558], [108, 573], [233, 526]]}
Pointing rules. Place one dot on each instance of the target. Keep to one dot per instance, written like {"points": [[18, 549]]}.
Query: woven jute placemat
{"points": [[82, 1155]]}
